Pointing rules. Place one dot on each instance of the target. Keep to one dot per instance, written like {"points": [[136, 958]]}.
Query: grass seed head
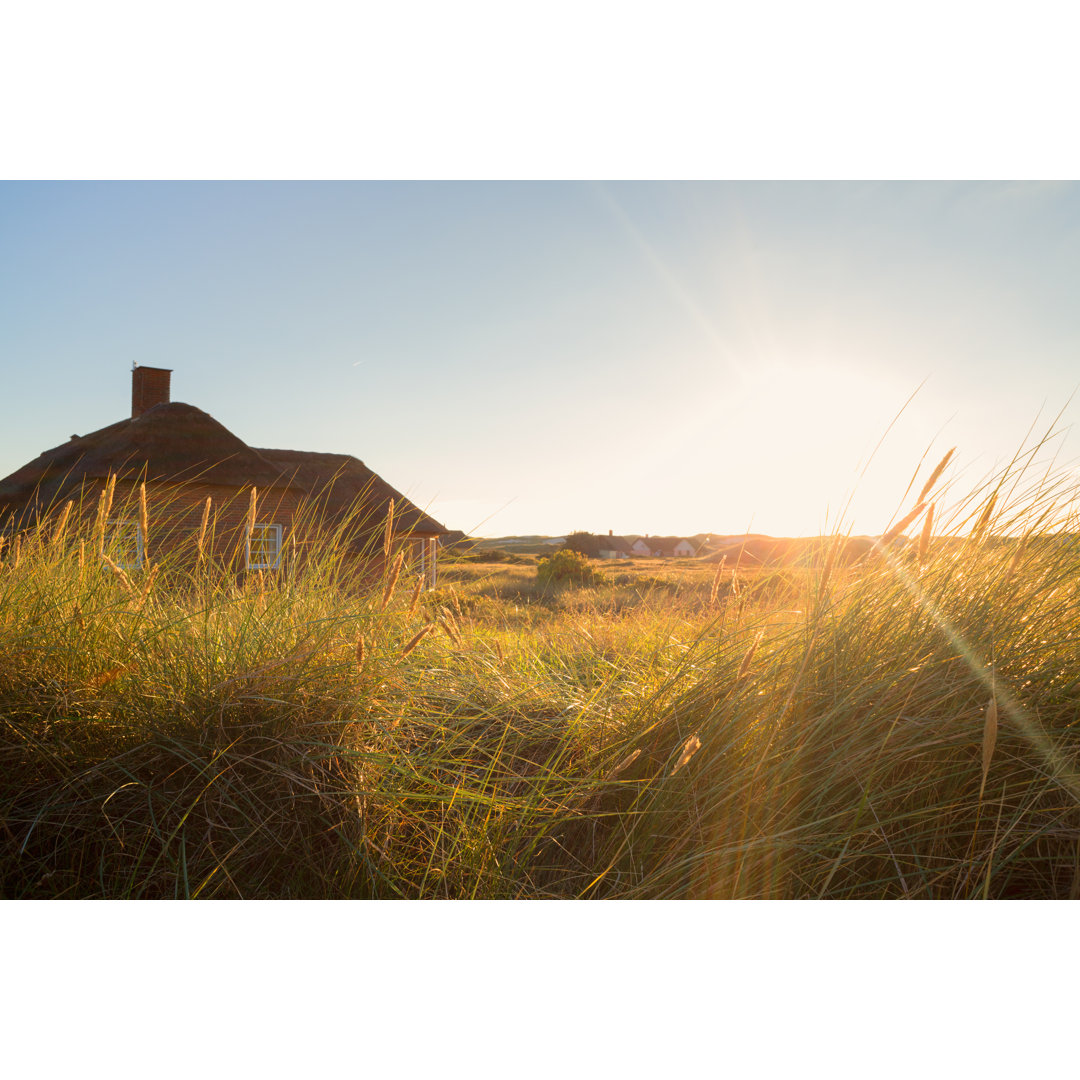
{"points": [[149, 582], [105, 501], [244, 549], [388, 533], [690, 748], [121, 575], [110, 491], [417, 638], [253, 500], [144, 520], [447, 623], [1018, 555], [744, 667], [900, 526], [624, 764], [392, 580], [715, 589], [98, 534], [929, 485], [830, 562], [415, 601], [984, 520], [202, 528], [61, 524], [990, 730]]}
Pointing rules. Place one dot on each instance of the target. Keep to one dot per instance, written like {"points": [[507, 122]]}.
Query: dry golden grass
{"points": [[990, 732], [667, 732], [925, 536]]}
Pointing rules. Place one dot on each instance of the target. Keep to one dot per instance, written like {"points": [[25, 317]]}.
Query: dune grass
{"points": [[903, 727]]}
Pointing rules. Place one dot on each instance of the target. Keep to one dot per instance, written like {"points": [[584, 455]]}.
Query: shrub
{"points": [[566, 567]]}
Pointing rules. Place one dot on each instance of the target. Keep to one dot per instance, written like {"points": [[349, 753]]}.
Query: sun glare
{"points": [[802, 432]]}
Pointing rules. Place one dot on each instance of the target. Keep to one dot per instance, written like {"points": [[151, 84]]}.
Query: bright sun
{"points": [[798, 436]]}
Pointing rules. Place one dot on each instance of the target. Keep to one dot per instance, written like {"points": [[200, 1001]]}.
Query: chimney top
{"points": [[149, 387]]}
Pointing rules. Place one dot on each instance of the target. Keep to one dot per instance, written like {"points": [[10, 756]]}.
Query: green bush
{"points": [[566, 567]]}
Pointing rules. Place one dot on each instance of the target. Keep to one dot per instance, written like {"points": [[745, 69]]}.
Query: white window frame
{"points": [[275, 530], [432, 562], [116, 531], [427, 560]]}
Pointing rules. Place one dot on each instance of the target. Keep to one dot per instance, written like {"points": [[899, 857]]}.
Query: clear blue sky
{"points": [[540, 357]]}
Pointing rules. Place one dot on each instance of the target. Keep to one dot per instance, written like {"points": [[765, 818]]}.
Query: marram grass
{"points": [[901, 727]]}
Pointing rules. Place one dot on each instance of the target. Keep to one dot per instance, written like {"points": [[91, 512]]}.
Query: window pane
{"points": [[122, 543], [264, 546]]}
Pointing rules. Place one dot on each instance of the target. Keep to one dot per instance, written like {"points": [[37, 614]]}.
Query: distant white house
{"points": [[612, 547], [663, 547]]}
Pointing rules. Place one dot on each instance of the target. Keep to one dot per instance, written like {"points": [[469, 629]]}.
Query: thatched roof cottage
{"points": [[185, 457]]}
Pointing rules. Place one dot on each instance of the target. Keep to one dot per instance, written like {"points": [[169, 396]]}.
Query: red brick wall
{"points": [[174, 514], [149, 387]]}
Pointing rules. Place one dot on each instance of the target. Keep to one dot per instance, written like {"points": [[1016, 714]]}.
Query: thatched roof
{"points": [[340, 484], [176, 442], [172, 441], [613, 543]]}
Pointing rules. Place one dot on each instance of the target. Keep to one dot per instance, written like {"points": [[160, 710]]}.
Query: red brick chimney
{"points": [[149, 387]]}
